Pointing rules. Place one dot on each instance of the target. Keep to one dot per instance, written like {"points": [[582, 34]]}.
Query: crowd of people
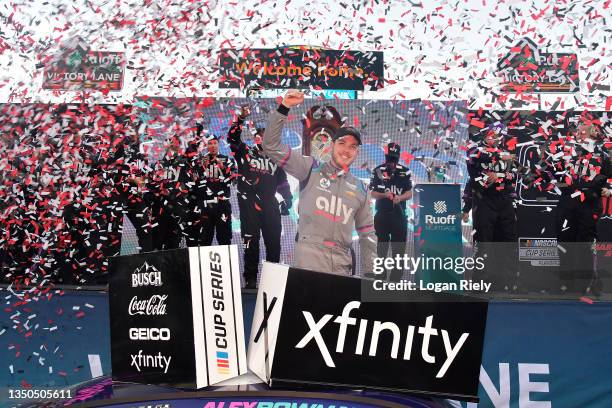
{"points": [[574, 166], [70, 177]]}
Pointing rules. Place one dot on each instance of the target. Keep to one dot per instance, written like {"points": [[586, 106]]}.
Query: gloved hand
{"points": [[285, 205]]}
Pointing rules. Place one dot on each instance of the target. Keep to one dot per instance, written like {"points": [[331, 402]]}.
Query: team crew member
{"points": [[169, 184], [582, 172], [333, 202], [214, 178], [391, 186], [259, 181], [134, 191], [490, 194]]}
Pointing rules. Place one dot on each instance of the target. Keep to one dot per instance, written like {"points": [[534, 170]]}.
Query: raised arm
{"points": [[293, 162]]}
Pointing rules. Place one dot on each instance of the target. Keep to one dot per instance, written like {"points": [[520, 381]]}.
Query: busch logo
{"points": [[440, 207], [344, 321], [263, 164], [153, 306], [146, 275], [334, 210]]}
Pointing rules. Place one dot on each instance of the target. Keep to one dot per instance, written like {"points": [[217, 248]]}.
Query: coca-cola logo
{"points": [[153, 306]]}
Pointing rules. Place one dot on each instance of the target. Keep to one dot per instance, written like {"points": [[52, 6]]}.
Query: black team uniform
{"points": [[583, 172], [494, 215], [137, 205], [168, 190], [390, 221], [259, 181], [213, 211]]}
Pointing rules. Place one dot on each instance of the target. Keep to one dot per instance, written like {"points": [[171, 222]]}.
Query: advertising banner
{"points": [[176, 317], [79, 69], [527, 69], [438, 227], [301, 67], [554, 358], [311, 328]]}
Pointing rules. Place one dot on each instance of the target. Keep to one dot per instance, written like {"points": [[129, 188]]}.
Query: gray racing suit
{"points": [[332, 204]]}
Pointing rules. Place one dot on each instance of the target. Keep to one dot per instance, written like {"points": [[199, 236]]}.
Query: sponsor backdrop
{"points": [[176, 317], [560, 346], [430, 133]]}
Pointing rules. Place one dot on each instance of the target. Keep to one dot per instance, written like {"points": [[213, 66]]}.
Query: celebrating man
{"points": [[258, 182], [333, 202]]}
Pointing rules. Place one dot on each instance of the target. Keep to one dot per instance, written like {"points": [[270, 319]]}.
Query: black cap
{"points": [[345, 131], [393, 150]]}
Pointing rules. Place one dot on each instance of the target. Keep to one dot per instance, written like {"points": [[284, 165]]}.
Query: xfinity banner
{"points": [[301, 67], [312, 328], [176, 317]]}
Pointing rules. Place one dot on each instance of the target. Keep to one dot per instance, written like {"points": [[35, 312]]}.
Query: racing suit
{"points": [[259, 181], [332, 204]]}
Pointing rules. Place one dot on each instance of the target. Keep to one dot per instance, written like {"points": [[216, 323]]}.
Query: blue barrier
{"points": [[545, 354]]}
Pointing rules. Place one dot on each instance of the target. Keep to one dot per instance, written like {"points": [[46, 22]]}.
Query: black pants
{"points": [[166, 231], [213, 218], [254, 223], [139, 214], [495, 235], [576, 232], [392, 231]]}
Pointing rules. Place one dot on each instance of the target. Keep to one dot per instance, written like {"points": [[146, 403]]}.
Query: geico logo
{"points": [[449, 219], [263, 164], [149, 333], [344, 321], [334, 209], [146, 279]]}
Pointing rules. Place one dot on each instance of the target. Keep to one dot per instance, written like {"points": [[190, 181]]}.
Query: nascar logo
{"points": [[223, 362]]}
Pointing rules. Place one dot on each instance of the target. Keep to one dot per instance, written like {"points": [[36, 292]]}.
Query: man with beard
{"points": [[391, 186], [333, 202], [259, 181], [213, 212], [582, 172], [490, 194]]}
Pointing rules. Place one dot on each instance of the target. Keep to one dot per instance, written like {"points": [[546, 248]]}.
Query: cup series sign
{"points": [[176, 317]]}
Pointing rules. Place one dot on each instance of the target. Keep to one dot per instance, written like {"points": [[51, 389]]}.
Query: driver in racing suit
{"points": [[333, 202]]}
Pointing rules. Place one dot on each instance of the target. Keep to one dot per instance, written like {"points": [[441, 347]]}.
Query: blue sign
{"points": [[546, 354]]}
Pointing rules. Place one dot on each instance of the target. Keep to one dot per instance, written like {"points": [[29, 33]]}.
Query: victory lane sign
{"points": [[176, 317]]}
